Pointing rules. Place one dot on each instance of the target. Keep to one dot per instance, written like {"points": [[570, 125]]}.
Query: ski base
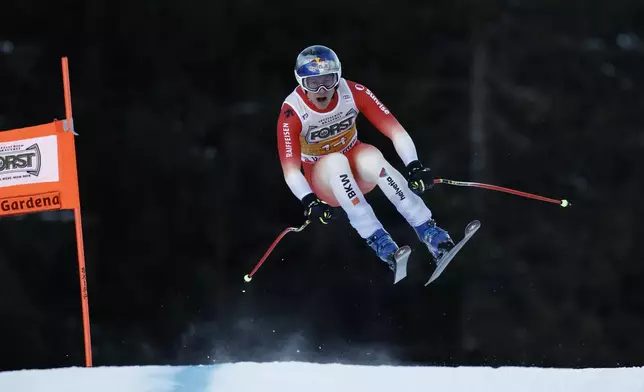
{"points": [[470, 230]]}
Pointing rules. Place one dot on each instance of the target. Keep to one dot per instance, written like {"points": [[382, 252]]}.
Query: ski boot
{"points": [[389, 252], [435, 238]]}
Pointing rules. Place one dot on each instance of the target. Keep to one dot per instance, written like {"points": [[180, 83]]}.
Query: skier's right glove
{"points": [[419, 178], [316, 209]]}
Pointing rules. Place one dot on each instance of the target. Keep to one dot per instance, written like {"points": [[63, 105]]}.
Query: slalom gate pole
{"points": [[80, 247], [562, 202], [249, 277]]}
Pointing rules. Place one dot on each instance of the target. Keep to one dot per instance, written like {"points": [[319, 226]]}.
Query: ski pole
{"points": [[562, 202], [249, 277]]}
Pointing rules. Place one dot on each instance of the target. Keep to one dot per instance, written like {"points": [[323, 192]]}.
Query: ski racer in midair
{"points": [[317, 130]]}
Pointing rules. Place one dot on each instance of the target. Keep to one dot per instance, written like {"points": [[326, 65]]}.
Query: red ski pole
{"points": [[562, 202], [249, 277]]}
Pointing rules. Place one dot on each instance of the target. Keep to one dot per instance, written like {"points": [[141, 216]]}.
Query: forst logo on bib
{"points": [[316, 134]]}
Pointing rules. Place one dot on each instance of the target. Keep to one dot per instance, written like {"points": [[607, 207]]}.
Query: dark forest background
{"points": [[176, 105]]}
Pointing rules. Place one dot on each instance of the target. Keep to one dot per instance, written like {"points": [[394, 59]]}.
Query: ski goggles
{"points": [[318, 82]]}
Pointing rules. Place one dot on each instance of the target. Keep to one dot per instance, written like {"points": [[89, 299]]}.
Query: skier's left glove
{"points": [[419, 178]]}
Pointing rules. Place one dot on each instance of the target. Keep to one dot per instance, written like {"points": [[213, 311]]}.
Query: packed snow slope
{"points": [[298, 376]]}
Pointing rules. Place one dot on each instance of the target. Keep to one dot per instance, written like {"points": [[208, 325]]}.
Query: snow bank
{"points": [[298, 376]]}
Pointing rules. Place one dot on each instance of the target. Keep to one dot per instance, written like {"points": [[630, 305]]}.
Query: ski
{"points": [[470, 230], [401, 257]]}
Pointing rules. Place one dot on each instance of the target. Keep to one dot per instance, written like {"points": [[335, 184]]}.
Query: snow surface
{"points": [[299, 376]]}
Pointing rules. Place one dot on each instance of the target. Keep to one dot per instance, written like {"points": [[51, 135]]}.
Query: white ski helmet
{"points": [[317, 67]]}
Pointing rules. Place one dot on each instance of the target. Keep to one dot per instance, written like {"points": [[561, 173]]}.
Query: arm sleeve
{"points": [[288, 146], [381, 118]]}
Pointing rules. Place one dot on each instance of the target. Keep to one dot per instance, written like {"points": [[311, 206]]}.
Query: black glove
{"points": [[419, 178], [316, 209]]}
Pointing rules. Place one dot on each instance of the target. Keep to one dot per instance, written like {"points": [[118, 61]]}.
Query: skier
{"points": [[316, 129]]}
